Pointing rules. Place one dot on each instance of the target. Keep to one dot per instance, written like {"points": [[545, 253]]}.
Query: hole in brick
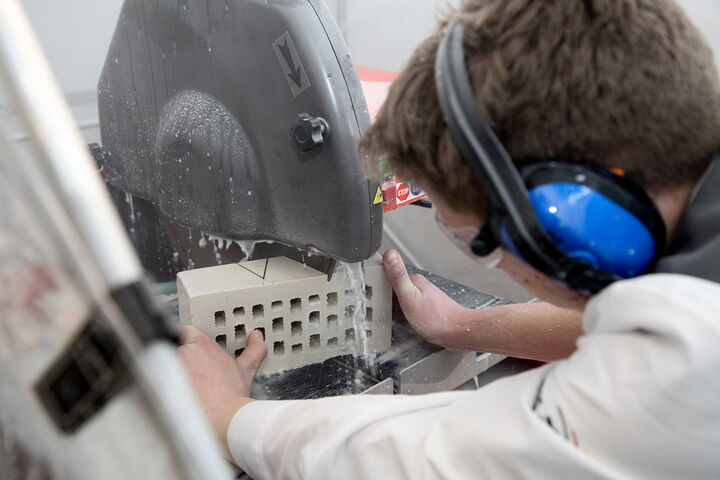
{"points": [[314, 341], [349, 293], [332, 299], [240, 332], [332, 322], [239, 352], [220, 318], [314, 300], [279, 348], [277, 305], [258, 311], [350, 335], [315, 319], [349, 311], [333, 342], [239, 311], [369, 314], [221, 340], [295, 305], [368, 292], [368, 333], [296, 329], [261, 330], [278, 325], [297, 348]]}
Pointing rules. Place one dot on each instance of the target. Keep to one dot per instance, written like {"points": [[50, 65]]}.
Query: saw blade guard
{"points": [[240, 119]]}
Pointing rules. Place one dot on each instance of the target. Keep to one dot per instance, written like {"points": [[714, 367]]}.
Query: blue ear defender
{"points": [[595, 216]]}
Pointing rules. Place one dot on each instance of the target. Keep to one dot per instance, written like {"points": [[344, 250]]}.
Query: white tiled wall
{"points": [[75, 35]]}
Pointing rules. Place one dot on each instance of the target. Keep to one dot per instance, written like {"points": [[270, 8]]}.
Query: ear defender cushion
{"points": [[595, 216]]}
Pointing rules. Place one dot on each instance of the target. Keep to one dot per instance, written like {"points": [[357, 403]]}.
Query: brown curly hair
{"points": [[619, 83]]}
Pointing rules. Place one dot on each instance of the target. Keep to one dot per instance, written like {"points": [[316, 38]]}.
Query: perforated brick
{"points": [[305, 318]]}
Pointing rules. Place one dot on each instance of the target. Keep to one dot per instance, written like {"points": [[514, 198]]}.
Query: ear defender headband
{"points": [[576, 223]]}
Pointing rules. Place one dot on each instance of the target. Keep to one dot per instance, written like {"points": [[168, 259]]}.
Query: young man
{"points": [[621, 85]]}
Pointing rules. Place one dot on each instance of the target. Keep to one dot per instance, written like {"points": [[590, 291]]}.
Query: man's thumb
{"points": [[254, 354]]}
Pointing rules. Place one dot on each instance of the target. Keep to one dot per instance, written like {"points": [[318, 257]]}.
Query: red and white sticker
{"points": [[403, 192], [397, 194]]}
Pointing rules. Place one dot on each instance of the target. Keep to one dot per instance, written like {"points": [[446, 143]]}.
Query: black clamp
{"points": [[310, 132]]}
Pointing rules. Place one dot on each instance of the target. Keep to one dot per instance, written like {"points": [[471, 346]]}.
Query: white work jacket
{"points": [[640, 399]]}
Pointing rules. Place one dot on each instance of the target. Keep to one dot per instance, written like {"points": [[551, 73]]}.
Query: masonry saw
{"points": [[229, 132], [235, 121]]}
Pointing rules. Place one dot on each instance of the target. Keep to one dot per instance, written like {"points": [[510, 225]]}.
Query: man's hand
{"points": [[434, 315], [221, 382], [537, 331]]}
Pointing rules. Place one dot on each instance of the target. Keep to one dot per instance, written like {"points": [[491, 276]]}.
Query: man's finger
{"points": [[408, 294], [254, 354]]}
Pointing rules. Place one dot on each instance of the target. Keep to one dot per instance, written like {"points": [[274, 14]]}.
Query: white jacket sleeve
{"points": [[491, 433], [637, 400]]}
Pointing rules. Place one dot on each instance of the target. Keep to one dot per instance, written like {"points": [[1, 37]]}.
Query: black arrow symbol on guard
{"points": [[295, 71]]}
